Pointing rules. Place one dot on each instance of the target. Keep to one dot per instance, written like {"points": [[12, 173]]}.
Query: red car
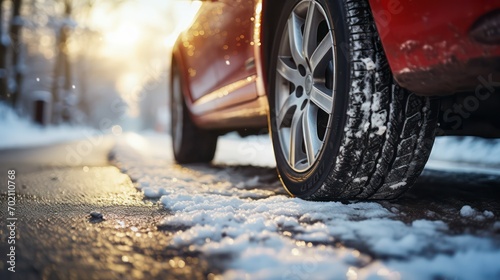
{"points": [[353, 92]]}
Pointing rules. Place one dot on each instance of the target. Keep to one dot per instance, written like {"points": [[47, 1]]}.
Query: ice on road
{"points": [[240, 218]]}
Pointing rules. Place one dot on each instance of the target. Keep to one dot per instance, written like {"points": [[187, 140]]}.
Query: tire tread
{"points": [[372, 166]]}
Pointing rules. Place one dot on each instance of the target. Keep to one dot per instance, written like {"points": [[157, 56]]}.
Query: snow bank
{"points": [[251, 150], [474, 150], [17, 132]]}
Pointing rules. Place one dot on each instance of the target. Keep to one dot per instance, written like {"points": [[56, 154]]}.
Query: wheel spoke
{"points": [[309, 129], [310, 30], [295, 37], [286, 71], [321, 98], [304, 85], [296, 138], [322, 53], [284, 113]]}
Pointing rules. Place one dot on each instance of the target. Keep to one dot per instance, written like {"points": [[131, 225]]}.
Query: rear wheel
{"points": [[341, 128], [190, 143]]}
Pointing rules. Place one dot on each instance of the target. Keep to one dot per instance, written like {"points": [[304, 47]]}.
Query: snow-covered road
{"points": [[237, 215]]}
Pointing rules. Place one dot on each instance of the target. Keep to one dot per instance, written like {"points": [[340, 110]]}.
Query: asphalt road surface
{"points": [[57, 238]]}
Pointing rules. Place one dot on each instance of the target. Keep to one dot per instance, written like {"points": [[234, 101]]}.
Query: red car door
{"points": [[219, 55], [199, 46], [234, 41]]}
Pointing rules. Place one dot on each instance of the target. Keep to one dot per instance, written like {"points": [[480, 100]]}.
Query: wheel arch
{"points": [[177, 58], [269, 23]]}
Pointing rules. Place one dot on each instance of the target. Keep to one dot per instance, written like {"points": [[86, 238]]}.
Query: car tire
{"points": [[191, 144], [342, 128]]}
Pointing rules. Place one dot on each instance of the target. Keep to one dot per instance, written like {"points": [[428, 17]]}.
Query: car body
{"points": [[439, 48], [445, 48], [224, 56]]}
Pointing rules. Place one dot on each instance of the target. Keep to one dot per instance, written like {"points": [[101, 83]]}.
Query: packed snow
{"points": [[467, 211], [254, 230], [369, 64]]}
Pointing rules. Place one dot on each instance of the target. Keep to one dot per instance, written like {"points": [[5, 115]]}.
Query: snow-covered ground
{"points": [[468, 153], [236, 213], [467, 149], [250, 228], [465, 154], [18, 132]]}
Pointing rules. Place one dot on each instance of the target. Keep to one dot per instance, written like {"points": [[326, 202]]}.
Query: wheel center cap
{"points": [[309, 83]]}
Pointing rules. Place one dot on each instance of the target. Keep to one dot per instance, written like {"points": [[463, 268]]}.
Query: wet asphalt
{"points": [[57, 238]]}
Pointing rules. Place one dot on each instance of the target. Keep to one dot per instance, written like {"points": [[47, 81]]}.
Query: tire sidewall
{"points": [[303, 184], [175, 107]]}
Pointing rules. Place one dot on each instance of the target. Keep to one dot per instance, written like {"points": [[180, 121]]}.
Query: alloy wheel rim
{"points": [[305, 85]]}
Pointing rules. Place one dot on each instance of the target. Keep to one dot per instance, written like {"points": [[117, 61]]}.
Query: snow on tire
{"points": [[374, 139]]}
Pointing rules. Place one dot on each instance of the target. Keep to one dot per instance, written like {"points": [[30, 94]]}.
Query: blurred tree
{"points": [[4, 44], [63, 65], [17, 63], [11, 47], [62, 81], [83, 10]]}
